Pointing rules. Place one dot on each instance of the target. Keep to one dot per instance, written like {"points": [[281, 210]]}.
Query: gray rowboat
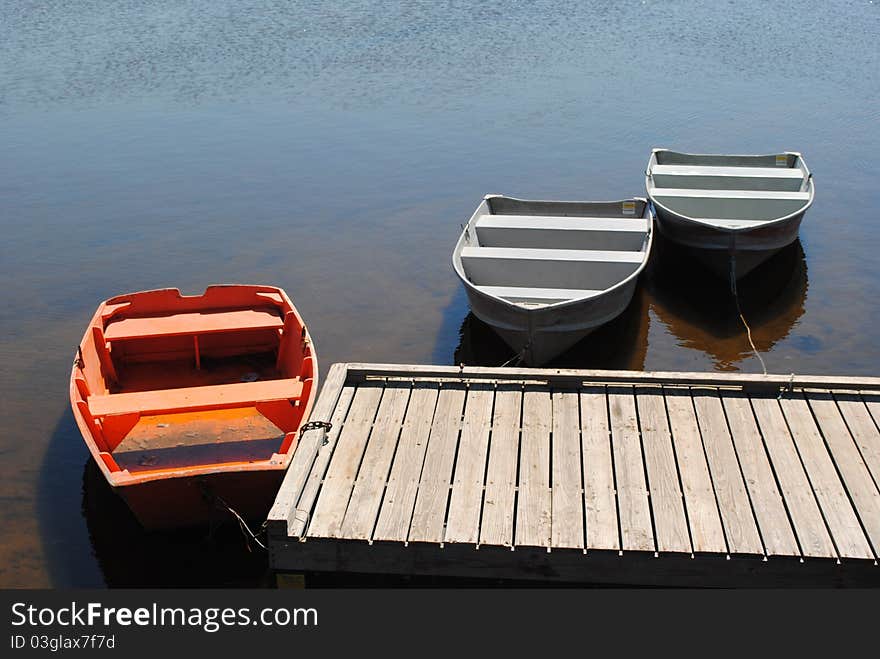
{"points": [[544, 274], [735, 211]]}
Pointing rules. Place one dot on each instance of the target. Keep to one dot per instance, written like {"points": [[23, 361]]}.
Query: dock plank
{"points": [[465, 503], [303, 509], [496, 526], [629, 469], [852, 469], [704, 519], [308, 450], [395, 513], [866, 433], [533, 506], [600, 500], [366, 496], [830, 492], [339, 480], [802, 505], [567, 510], [740, 527], [667, 502], [769, 509], [429, 513]]}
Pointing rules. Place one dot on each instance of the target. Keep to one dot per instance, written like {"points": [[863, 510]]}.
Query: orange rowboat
{"points": [[192, 405]]}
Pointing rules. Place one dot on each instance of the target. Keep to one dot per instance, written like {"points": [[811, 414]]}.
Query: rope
{"points": [[519, 356], [246, 531], [739, 309], [243, 525]]}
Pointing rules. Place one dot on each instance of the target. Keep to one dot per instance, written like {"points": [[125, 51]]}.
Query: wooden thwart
{"points": [[666, 467]]}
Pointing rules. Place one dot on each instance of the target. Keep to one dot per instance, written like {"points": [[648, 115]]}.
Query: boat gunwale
{"points": [[703, 222], [648, 214], [124, 477]]}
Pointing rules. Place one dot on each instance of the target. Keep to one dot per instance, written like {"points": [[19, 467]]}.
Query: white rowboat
{"points": [[544, 274], [736, 211]]}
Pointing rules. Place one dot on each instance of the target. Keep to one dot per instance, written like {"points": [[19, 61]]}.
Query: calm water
{"points": [[334, 150]]}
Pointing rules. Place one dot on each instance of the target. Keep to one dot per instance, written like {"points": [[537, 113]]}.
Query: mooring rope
{"points": [[243, 525], [739, 309], [519, 356], [221, 504]]}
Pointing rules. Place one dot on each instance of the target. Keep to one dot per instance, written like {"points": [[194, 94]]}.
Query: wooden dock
{"points": [[586, 476]]}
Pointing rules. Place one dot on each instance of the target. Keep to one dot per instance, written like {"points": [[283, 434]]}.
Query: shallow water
{"points": [[334, 150]]}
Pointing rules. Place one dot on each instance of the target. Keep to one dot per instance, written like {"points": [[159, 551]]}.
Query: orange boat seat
{"points": [[189, 399], [117, 414], [182, 324]]}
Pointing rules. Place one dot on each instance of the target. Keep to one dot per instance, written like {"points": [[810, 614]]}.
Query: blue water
{"points": [[335, 149]]}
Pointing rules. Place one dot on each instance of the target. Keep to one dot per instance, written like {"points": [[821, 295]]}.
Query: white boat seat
{"points": [[727, 178], [548, 268], [537, 295], [786, 195], [549, 232], [709, 170], [731, 204], [628, 224]]}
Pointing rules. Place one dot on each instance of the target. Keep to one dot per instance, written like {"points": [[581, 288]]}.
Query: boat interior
{"points": [[729, 191], [540, 253], [166, 381]]}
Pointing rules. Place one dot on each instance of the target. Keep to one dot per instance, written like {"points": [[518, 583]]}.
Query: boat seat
{"points": [[548, 268], [537, 295], [188, 399], [731, 204], [527, 254], [783, 195], [542, 231], [184, 324], [714, 170], [727, 178]]}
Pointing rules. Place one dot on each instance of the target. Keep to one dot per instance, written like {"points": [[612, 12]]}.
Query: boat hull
{"points": [[204, 499], [714, 247], [540, 335]]}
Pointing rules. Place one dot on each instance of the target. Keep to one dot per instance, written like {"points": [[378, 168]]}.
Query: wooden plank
{"points": [[863, 428], [201, 322], [769, 509], [533, 512], [856, 477], [465, 503], [284, 509], [872, 402], [575, 376], [704, 520], [209, 397], [803, 508], [629, 469], [301, 512], [496, 527], [403, 483], [366, 497], [600, 501], [429, 513], [335, 492], [566, 504], [667, 503], [740, 527], [839, 514]]}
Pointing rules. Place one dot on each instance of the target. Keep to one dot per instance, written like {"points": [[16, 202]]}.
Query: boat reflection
{"points": [[129, 556], [699, 310], [620, 344]]}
